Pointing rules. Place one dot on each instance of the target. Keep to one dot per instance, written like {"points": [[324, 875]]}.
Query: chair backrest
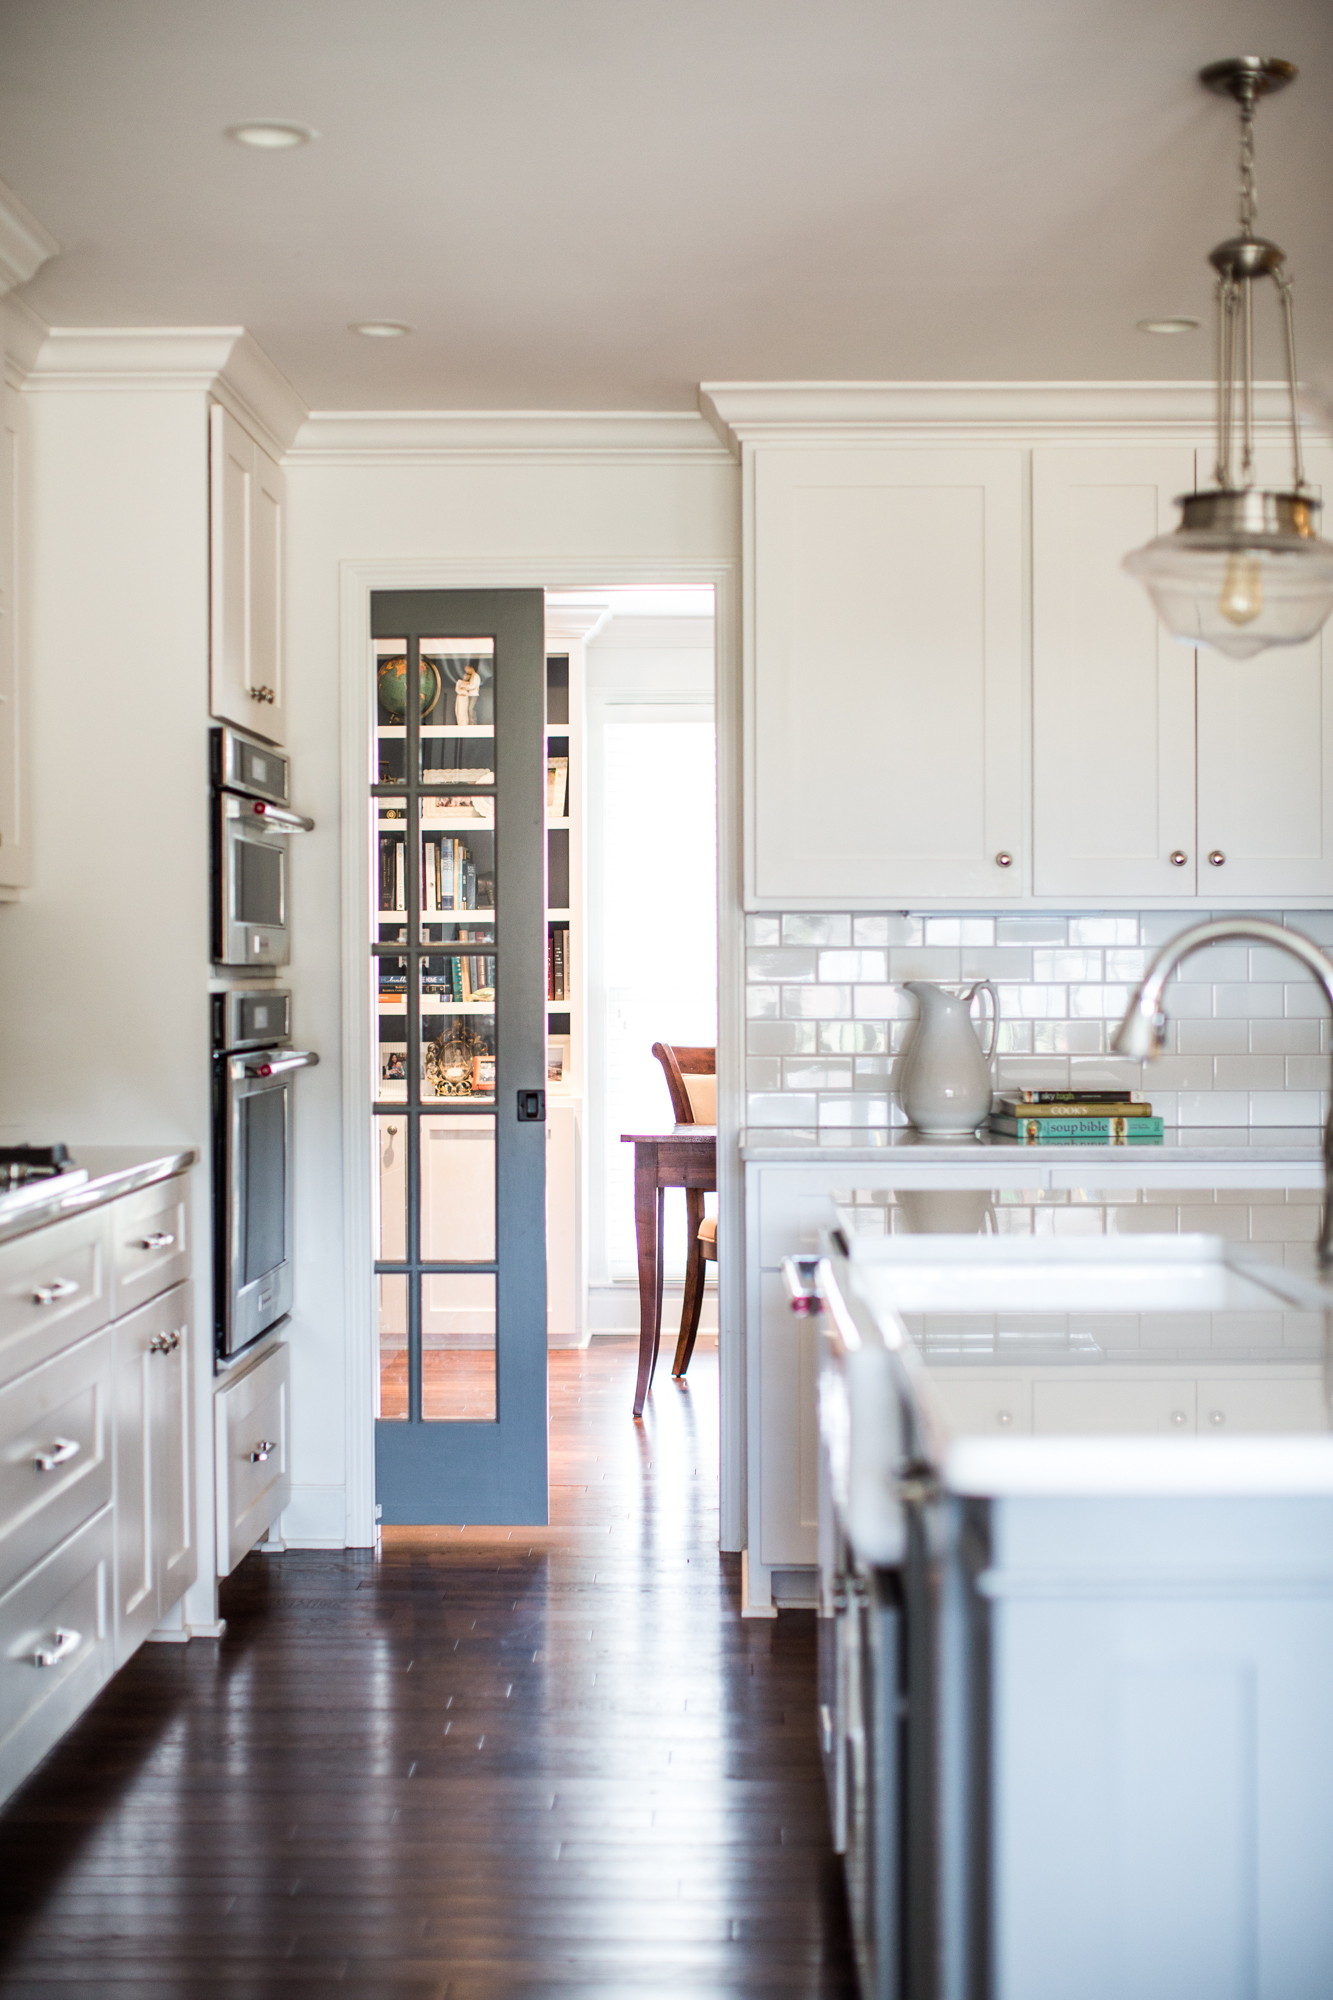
{"points": [[691, 1076]]}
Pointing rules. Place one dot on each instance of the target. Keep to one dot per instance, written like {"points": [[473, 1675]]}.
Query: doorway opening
{"points": [[613, 879]]}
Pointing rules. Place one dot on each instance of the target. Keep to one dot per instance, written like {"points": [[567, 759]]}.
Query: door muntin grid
{"points": [[435, 974]]}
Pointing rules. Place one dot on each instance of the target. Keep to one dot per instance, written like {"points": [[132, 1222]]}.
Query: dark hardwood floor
{"points": [[494, 1763]]}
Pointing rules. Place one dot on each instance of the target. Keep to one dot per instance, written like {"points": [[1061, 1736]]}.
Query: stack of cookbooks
{"points": [[1075, 1118]]}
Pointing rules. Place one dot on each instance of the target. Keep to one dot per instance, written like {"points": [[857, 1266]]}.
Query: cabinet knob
{"points": [[1217, 1418], [1003, 860], [1177, 1417], [1216, 858], [262, 1450], [1178, 857]]}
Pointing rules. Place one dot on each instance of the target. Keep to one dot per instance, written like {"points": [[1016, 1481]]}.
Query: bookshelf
{"points": [[567, 631]]}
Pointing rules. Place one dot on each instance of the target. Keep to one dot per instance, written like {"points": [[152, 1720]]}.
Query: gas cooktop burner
{"points": [[20, 1166]]}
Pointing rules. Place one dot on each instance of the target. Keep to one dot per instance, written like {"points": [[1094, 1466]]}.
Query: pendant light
{"points": [[1245, 569]]}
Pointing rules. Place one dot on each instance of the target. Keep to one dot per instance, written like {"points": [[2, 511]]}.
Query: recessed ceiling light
{"points": [[1179, 324], [380, 329], [271, 134]]}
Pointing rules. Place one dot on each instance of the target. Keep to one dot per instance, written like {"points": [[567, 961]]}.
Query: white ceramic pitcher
{"points": [[945, 1078]]}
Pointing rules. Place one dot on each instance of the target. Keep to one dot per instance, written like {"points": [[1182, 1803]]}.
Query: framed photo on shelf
{"points": [[557, 1061], [483, 1075]]}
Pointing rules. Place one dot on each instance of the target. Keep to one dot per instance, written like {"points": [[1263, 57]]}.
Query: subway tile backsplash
{"points": [[828, 1018]]}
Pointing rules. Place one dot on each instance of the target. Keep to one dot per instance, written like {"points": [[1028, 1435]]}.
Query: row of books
{"points": [[449, 876], [557, 962], [1075, 1118], [461, 976], [557, 788]]}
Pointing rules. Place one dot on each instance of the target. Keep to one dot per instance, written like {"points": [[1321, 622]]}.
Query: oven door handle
{"points": [[281, 819], [280, 1061]]}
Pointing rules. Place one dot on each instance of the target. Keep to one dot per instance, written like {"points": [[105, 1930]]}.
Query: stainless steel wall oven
{"points": [[254, 1074], [252, 821]]}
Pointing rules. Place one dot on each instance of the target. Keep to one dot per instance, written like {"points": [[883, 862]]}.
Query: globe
{"points": [[392, 683]]}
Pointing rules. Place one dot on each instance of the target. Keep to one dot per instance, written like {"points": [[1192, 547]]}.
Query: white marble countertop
{"points": [[1185, 1145], [108, 1173], [1157, 1366]]}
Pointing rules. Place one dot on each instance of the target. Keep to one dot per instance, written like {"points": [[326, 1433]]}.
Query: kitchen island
{"points": [[1197, 1173], [1076, 1520]]}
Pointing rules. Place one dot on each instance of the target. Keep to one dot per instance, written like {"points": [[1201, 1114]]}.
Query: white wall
{"points": [[410, 520], [104, 964], [649, 670]]}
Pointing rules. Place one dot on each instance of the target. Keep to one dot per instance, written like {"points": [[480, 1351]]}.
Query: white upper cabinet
{"points": [[886, 711], [1113, 692], [248, 503], [1266, 749]]}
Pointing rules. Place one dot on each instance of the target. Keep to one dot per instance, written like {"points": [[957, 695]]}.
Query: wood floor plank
{"points": [[494, 1764]]}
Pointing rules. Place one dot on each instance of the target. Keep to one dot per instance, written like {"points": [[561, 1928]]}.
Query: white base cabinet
{"points": [[253, 1465], [156, 1557], [97, 1536]]}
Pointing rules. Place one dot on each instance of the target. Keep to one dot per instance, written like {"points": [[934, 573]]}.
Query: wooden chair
{"points": [[691, 1077]]}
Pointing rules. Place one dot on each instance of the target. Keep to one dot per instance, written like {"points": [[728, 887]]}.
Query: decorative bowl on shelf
{"points": [[391, 681]]}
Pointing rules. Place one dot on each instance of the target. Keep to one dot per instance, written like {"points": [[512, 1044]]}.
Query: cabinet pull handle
{"points": [[1178, 857], [262, 1450], [164, 1343], [59, 1288], [161, 1239], [62, 1644], [262, 694], [61, 1451], [1217, 858], [1003, 860]]}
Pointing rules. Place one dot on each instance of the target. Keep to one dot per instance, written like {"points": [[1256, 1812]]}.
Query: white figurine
{"points": [[465, 697]]}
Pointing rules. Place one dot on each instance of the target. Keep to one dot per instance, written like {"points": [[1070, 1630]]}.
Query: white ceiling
{"points": [[598, 204]]}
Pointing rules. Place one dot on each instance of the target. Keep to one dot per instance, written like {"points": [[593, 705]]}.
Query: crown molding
{"points": [[21, 337], [24, 245], [224, 361], [589, 437], [873, 412]]}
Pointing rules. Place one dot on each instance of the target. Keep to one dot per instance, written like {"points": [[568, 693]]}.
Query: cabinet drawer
{"points": [[150, 1243], [55, 1452], [254, 1480], [55, 1646], [1129, 1408], [981, 1407], [54, 1288]]}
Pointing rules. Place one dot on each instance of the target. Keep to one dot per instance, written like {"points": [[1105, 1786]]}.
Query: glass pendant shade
{"points": [[1244, 571]]}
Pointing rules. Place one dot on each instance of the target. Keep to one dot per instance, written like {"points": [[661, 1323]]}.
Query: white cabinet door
{"points": [[885, 702], [155, 1550], [1112, 691], [788, 1432], [1266, 750], [175, 1559], [248, 501], [13, 770]]}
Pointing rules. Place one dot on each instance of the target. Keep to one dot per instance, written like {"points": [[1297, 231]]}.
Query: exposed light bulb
{"points": [[1242, 597]]}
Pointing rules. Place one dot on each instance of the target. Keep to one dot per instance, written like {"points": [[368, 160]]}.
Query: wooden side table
{"points": [[684, 1157]]}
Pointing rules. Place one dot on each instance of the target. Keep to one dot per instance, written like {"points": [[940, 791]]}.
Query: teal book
{"points": [[1079, 1131]]}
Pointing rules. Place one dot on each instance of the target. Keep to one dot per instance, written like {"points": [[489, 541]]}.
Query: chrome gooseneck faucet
{"points": [[1143, 1030]]}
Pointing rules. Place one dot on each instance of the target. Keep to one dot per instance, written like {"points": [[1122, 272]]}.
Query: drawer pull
{"points": [[59, 1288], [262, 1450], [164, 1343], [63, 1643], [160, 1239], [61, 1452]]}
